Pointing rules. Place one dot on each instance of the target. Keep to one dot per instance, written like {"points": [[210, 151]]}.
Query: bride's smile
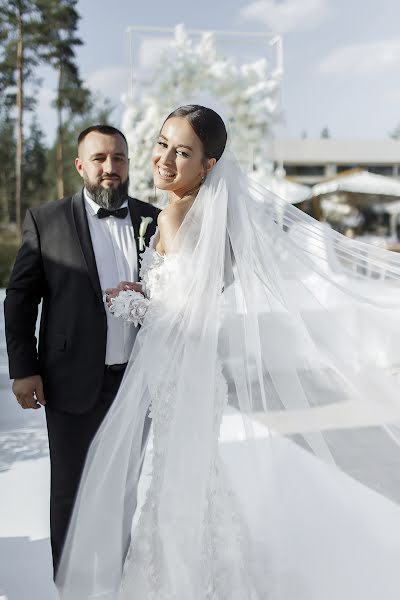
{"points": [[165, 174]]}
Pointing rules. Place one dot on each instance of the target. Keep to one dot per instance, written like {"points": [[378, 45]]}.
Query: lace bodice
{"points": [[132, 306], [151, 265]]}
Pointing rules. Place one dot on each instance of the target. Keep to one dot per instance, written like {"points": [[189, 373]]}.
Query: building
{"points": [[310, 161]]}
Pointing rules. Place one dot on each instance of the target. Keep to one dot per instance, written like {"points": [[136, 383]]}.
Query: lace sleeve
{"points": [[130, 306]]}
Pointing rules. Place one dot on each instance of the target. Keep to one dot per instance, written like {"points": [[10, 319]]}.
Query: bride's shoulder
{"points": [[172, 216], [169, 221], [172, 212]]}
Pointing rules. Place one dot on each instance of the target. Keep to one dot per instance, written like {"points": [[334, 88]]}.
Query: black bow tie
{"points": [[119, 213]]}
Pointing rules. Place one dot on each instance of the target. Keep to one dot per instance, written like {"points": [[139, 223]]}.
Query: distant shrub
{"points": [[9, 244]]}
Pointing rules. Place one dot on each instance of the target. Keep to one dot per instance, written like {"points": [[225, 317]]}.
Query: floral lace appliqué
{"points": [[223, 574]]}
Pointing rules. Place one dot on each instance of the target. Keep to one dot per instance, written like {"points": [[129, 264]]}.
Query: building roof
{"points": [[359, 182], [322, 151], [286, 189]]}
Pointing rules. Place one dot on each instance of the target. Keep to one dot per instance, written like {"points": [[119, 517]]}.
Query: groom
{"points": [[72, 251]]}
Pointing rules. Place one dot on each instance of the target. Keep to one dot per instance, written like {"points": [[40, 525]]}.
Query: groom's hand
{"points": [[29, 392]]}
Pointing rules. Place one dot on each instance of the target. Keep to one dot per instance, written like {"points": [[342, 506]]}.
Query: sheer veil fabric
{"points": [[304, 325]]}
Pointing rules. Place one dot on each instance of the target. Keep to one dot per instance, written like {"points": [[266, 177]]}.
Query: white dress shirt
{"points": [[115, 251]]}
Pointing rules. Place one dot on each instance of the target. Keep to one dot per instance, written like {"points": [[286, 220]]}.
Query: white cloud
{"points": [[287, 15], [368, 59], [111, 82]]}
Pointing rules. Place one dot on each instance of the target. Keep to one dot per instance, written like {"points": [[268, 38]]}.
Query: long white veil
{"points": [[305, 326]]}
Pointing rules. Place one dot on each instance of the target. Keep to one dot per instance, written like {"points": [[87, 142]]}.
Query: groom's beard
{"points": [[110, 198]]}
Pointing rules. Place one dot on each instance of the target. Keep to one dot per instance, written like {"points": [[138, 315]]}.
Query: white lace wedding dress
{"points": [[289, 491], [329, 507], [224, 575]]}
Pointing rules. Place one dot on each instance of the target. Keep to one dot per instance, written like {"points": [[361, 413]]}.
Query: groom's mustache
{"points": [[110, 176]]}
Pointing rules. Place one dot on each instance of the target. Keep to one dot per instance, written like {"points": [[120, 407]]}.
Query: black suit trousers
{"points": [[70, 436]]}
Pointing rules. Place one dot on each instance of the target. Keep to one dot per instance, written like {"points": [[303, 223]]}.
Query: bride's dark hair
{"points": [[208, 126]]}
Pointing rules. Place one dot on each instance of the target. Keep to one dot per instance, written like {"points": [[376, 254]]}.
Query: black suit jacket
{"points": [[56, 264]]}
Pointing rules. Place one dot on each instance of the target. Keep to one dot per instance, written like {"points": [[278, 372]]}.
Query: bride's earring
{"points": [[202, 180]]}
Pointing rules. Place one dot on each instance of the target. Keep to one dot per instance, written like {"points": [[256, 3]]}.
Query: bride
{"points": [[267, 362]]}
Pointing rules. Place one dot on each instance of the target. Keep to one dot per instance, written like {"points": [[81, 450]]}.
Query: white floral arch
{"points": [[249, 94]]}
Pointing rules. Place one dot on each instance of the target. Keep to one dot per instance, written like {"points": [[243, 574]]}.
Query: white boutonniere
{"points": [[142, 231]]}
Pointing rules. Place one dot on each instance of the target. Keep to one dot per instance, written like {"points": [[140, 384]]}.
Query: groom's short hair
{"points": [[104, 129]]}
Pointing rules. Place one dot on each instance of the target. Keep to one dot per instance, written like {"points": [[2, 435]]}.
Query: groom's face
{"points": [[103, 160]]}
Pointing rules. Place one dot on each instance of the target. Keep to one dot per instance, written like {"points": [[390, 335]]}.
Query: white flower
{"points": [[130, 306], [142, 231], [141, 308]]}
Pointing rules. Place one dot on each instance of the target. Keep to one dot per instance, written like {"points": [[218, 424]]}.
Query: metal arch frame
{"points": [[271, 38]]}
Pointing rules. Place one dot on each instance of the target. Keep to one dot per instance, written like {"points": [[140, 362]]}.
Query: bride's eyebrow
{"points": [[178, 145]]}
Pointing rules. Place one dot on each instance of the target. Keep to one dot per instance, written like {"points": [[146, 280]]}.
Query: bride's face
{"points": [[178, 158]]}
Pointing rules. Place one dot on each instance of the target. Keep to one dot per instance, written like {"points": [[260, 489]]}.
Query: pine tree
{"points": [[7, 161], [19, 26], [395, 134], [35, 160], [59, 32], [325, 133]]}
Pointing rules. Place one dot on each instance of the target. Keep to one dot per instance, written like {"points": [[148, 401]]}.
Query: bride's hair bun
{"points": [[208, 126]]}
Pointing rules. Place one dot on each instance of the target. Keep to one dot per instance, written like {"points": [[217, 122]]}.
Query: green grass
{"points": [[9, 244]]}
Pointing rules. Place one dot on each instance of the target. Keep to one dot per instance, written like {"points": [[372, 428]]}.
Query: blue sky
{"points": [[342, 57]]}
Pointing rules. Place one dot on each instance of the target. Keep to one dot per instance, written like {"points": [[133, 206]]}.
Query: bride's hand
{"points": [[122, 286], [109, 294], [129, 285]]}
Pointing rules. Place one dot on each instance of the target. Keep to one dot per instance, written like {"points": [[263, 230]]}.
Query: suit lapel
{"points": [[82, 228], [134, 210]]}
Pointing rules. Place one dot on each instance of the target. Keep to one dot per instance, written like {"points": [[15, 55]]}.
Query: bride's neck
{"points": [[183, 196]]}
